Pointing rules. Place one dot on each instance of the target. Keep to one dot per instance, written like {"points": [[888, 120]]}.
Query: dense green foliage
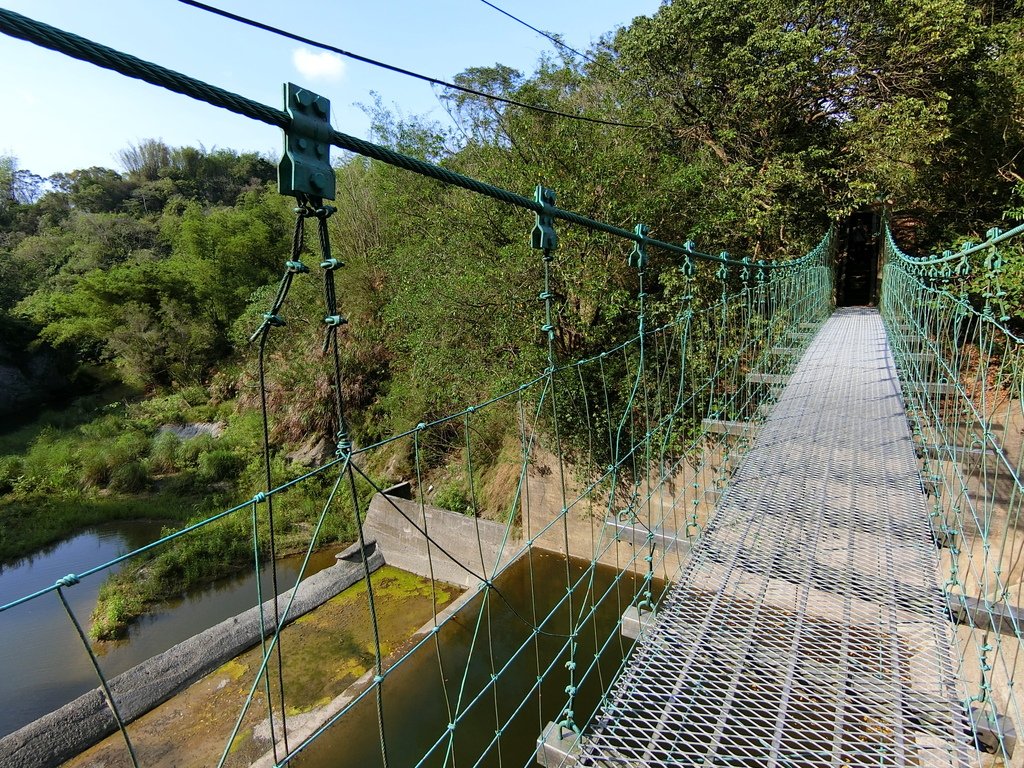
{"points": [[767, 120]]}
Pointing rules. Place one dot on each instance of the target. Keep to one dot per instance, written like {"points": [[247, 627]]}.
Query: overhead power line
{"points": [[400, 70], [553, 38]]}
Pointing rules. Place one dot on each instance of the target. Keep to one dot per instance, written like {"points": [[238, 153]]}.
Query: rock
{"points": [[194, 429], [30, 378], [311, 454]]}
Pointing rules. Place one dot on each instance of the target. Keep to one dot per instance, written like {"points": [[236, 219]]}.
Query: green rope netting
{"points": [[962, 374], [618, 457]]}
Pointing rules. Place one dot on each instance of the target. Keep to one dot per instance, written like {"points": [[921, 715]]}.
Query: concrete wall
{"points": [[76, 726], [390, 520]]}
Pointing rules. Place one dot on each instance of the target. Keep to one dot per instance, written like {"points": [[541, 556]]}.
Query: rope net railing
{"points": [[609, 465], [615, 459], [961, 365]]}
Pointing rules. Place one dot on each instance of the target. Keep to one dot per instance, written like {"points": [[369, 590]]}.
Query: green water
{"points": [[415, 715]]}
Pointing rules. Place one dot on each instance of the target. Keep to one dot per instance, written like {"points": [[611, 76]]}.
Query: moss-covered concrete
{"points": [[325, 651]]}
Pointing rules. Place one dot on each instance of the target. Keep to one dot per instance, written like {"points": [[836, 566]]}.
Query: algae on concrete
{"points": [[325, 651]]}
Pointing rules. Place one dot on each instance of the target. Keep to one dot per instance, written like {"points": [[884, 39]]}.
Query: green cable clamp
{"points": [[543, 236], [723, 269], [638, 256], [689, 269], [305, 167]]}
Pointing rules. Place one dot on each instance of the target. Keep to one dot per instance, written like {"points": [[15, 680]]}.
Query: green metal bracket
{"points": [[543, 237], [305, 168], [723, 269], [638, 257]]}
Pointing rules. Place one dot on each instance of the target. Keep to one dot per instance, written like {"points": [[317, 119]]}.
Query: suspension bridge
{"points": [[790, 537]]}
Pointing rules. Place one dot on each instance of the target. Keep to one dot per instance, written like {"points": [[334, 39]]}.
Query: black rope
{"points": [[271, 320]]}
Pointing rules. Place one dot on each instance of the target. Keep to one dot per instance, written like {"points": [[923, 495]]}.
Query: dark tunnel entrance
{"points": [[857, 265]]}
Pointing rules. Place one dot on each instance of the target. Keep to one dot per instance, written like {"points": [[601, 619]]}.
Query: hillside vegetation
{"points": [[763, 121]]}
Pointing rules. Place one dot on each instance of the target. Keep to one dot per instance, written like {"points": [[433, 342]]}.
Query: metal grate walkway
{"points": [[807, 629]]}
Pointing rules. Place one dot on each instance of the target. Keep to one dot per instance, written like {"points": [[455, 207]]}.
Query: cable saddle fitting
{"points": [[305, 167]]}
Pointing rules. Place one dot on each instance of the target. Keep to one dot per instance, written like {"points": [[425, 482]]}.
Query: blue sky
{"points": [[61, 114]]}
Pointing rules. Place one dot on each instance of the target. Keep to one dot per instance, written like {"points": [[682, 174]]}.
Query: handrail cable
{"points": [[947, 256]]}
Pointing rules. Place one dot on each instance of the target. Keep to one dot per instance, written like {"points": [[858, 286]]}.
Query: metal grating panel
{"points": [[807, 629]]}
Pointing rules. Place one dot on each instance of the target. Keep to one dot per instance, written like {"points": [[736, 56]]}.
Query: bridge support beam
{"points": [[931, 388], [553, 751], [725, 427], [639, 537], [634, 621], [775, 379], [781, 351], [960, 453], [980, 613], [988, 735]]}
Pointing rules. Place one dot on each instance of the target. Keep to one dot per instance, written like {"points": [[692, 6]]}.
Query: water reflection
{"points": [[415, 712], [42, 663]]}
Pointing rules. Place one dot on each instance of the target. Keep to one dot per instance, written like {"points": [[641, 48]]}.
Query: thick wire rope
{"points": [[271, 319], [333, 321]]}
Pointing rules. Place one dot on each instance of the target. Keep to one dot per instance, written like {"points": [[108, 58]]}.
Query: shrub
{"points": [[104, 427], [49, 464], [95, 468], [130, 445], [10, 471], [194, 395], [190, 450], [163, 455], [451, 496], [131, 477], [220, 464]]}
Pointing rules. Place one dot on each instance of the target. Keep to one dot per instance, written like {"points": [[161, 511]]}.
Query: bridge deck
{"points": [[807, 628]]}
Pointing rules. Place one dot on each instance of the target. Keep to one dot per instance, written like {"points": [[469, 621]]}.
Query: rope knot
{"points": [[67, 581]]}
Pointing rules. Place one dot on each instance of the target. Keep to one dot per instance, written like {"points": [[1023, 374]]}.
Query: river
{"points": [[415, 715], [42, 663]]}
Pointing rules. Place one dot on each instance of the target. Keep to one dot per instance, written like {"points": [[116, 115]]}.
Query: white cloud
{"points": [[318, 66]]}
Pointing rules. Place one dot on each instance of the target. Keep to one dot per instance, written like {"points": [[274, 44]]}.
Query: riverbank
{"points": [[326, 652], [66, 732]]}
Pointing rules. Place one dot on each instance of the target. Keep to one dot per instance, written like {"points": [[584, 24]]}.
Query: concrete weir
{"points": [[78, 725]]}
